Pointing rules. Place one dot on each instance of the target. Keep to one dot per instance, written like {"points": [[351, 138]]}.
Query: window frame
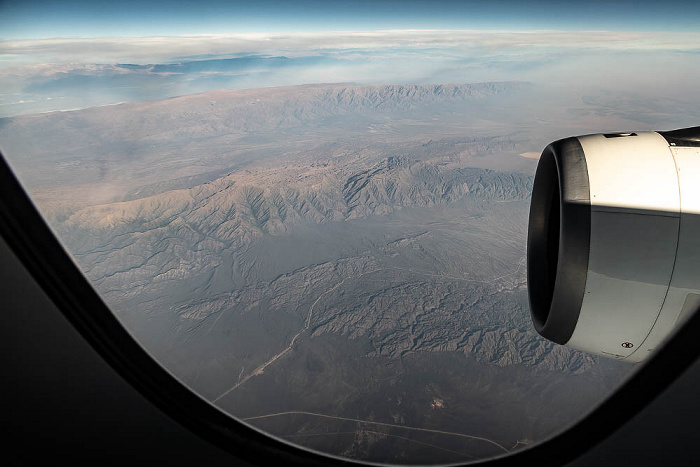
{"points": [[40, 252]]}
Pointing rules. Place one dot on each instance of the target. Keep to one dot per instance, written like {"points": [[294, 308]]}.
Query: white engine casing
{"points": [[622, 268]]}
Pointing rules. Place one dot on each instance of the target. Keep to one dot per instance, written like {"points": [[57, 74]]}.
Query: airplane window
{"points": [[315, 214]]}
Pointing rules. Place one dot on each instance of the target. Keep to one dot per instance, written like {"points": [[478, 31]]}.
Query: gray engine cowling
{"points": [[613, 250]]}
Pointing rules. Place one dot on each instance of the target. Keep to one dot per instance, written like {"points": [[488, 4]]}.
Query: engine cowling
{"points": [[613, 249]]}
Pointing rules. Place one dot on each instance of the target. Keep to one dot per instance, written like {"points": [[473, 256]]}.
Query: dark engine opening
{"points": [[543, 238]]}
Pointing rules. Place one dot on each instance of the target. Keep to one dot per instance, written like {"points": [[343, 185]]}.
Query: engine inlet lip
{"points": [[558, 243]]}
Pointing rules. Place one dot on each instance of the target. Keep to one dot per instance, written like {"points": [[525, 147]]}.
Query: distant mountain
{"points": [[218, 113]]}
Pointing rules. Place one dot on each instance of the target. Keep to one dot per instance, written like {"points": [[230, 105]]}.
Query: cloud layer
{"points": [[41, 75], [144, 50]]}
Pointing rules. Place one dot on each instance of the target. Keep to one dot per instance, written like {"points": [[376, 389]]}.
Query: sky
{"points": [[60, 55], [27, 19]]}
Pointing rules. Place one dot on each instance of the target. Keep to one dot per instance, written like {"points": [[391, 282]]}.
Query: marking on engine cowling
{"points": [[627, 345]]}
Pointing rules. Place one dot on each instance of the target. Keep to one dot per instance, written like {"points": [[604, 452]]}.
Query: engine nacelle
{"points": [[613, 248]]}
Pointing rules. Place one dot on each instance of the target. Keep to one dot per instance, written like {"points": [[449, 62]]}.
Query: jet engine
{"points": [[613, 247]]}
